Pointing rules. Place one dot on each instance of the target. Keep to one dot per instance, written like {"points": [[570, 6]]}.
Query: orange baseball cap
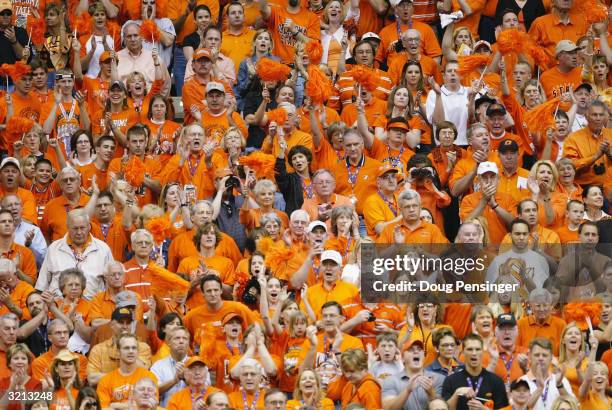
{"points": [[105, 56], [223, 172], [394, 123], [202, 53], [383, 169], [193, 360]]}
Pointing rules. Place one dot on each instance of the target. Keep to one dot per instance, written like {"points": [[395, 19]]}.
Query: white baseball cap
{"points": [[10, 160], [331, 256], [213, 85], [487, 166], [314, 224]]}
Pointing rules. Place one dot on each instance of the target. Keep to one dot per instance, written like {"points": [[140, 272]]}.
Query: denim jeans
{"points": [[179, 70]]}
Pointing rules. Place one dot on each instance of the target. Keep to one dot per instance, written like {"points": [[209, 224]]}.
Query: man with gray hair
{"points": [[26, 233], [541, 322], [251, 377], [410, 229], [13, 291], [144, 395], [78, 248], [53, 224], [411, 41], [9, 328], [325, 199], [137, 274]]}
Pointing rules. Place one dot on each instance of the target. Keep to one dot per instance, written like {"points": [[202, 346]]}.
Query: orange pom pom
{"points": [[264, 244], [134, 172], [160, 228], [314, 50], [149, 31], [39, 27], [541, 118], [134, 9], [115, 32], [280, 260], [510, 41], [16, 127], [469, 64], [278, 115], [365, 77], [539, 55], [592, 11], [319, 86], [262, 164], [17, 70], [167, 284], [270, 70], [84, 25], [161, 8], [579, 311]]}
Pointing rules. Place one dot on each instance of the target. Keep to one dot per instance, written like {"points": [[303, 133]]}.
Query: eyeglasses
{"points": [[142, 243], [6, 13], [426, 306]]}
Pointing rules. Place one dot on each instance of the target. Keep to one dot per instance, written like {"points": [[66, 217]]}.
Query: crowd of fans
{"points": [[188, 189]]}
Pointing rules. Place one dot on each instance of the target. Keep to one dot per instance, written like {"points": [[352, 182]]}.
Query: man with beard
{"points": [[9, 184], [589, 148], [566, 75], [105, 152], [170, 370], [59, 334], [116, 387], [197, 386], [541, 323], [26, 234], [78, 248], [9, 328], [289, 26], [473, 386], [219, 113], [13, 291], [581, 271], [416, 386], [411, 40]]}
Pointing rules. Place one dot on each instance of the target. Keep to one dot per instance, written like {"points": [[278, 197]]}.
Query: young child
{"points": [[287, 345], [568, 233], [386, 360]]}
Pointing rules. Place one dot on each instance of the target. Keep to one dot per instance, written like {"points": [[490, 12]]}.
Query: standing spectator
{"points": [[10, 171], [170, 371], [26, 233], [565, 76], [541, 323], [13, 39]]}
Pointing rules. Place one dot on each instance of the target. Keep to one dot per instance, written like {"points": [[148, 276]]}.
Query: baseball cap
{"points": [[586, 86], [10, 161], [202, 53], [223, 172], [126, 298], [394, 123], [122, 314], [411, 343], [496, 108], [6, 5], [565, 46], [508, 145], [487, 166], [331, 256], [482, 43], [229, 317], [315, 224], [117, 83], [370, 35], [193, 360], [383, 169], [518, 383], [105, 56], [506, 319], [213, 85], [482, 100]]}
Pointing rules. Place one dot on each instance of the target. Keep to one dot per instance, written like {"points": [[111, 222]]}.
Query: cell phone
{"points": [[189, 191]]}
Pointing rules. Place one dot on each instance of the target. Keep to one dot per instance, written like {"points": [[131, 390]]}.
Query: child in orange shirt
{"points": [[574, 213], [287, 344], [43, 187]]}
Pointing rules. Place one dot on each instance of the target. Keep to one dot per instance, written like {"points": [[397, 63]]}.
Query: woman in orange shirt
{"points": [[403, 103], [18, 359], [572, 354], [362, 387], [64, 380], [138, 97], [172, 200], [566, 186], [72, 285], [593, 390], [345, 230], [308, 393], [263, 191], [542, 182], [421, 321], [412, 79], [163, 130], [34, 142]]}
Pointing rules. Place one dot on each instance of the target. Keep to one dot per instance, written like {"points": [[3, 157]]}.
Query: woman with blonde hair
{"points": [[593, 390], [567, 186], [334, 37], [248, 85], [542, 183], [172, 200], [19, 361], [456, 42], [232, 147], [308, 393], [565, 403], [572, 354]]}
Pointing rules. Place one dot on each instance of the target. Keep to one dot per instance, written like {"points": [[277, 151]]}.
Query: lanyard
{"points": [[348, 247], [253, 405], [507, 365], [390, 204], [545, 393], [68, 117], [425, 339], [231, 348], [43, 334], [393, 160], [316, 268], [193, 168], [339, 155], [478, 384], [105, 228], [352, 176], [307, 188]]}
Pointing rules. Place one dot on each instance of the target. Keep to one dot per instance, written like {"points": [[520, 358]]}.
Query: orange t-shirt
{"points": [[194, 172], [215, 125], [115, 387], [547, 31], [123, 120], [182, 246], [194, 93], [359, 181], [176, 8], [250, 218], [218, 354], [42, 195], [237, 402], [184, 399], [580, 147], [97, 92], [429, 67], [23, 107], [114, 234], [221, 264], [164, 149], [284, 41], [367, 392], [497, 227], [53, 223], [60, 398], [88, 171], [555, 83], [425, 233], [374, 111], [567, 236], [28, 204], [378, 209], [384, 153], [390, 35], [152, 167], [19, 294], [346, 294]]}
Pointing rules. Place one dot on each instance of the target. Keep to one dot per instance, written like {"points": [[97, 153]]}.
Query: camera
{"points": [[372, 318], [421, 173], [232, 182], [599, 169]]}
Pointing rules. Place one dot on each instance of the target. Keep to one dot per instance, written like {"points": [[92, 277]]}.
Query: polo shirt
{"points": [[550, 387], [165, 370], [346, 294], [455, 110], [393, 386], [491, 388]]}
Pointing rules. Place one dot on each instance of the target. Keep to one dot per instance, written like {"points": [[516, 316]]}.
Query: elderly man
{"points": [[78, 248], [107, 356], [170, 370], [462, 179], [309, 271], [251, 376], [13, 291], [23, 257], [53, 224], [496, 207], [275, 399], [589, 148], [411, 42], [144, 395], [135, 58], [541, 323], [26, 233], [10, 171], [381, 208], [115, 387], [196, 387], [325, 199], [59, 334], [566, 75], [138, 275], [9, 328], [219, 114]]}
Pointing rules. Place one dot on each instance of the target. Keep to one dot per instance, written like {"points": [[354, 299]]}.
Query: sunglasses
{"points": [[6, 13]]}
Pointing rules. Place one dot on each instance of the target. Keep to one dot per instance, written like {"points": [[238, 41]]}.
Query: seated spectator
{"points": [[196, 377], [15, 291], [19, 359], [251, 394], [64, 379], [541, 323]]}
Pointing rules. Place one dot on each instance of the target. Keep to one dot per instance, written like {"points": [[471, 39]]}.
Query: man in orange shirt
{"points": [[13, 291], [288, 25], [505, 358], [22, 256], [410, 228], [541, 323], [251, 394], [512, 179], [495, 119], [53, 223], [107, 225], [381, 209], [325, 200], [391, 33], [590, 148], [196, 378], [23, 102], [237, 39], [411, 42], [105, 152], [355, 174], [566, 75], [548, 30], [9, 184], [9, 326], [496, 207]]}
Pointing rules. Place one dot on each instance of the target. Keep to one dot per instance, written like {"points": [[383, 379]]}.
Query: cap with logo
{"points": [[10, 161], [487, 166], [506, 319], [383, 169], [370, 35], [508, 145], [229, 317], [126, 298], [565, 46], [105, 56], [202, 53], [214, 86], [122, 313], [331, 256], [316, 224], [6, 5]]}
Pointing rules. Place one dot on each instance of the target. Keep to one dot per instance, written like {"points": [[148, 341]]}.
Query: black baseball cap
{"points": [[508, 145], [586, 86], [496, 109], [518, 383], [482, 100], [506, 318]]}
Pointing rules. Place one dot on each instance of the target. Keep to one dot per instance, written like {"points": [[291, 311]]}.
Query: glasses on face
{"points": [[6, 13], [143, 243], [426, 306], [321, 183]]}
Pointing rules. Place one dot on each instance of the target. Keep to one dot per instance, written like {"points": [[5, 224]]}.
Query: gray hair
{"points": [[7, 265], [111, 264], [77, 213], [299, 212], [409, 194], [249, 362], [474, 127], [66, 274], [270, 217], [145, 380], [199, 203], [263, 184], [55, 323], [322, 171], [140, 232], [9, 316], [7, 196], [68, 170], [540, 293]]}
